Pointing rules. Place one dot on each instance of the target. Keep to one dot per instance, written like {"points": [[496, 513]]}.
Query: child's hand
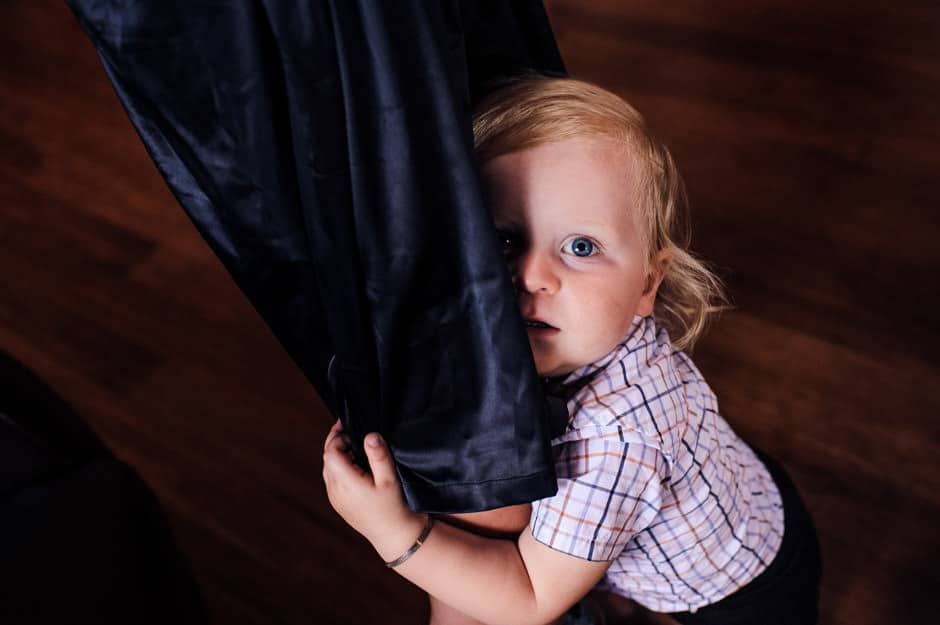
{"points": [[372, 504]]}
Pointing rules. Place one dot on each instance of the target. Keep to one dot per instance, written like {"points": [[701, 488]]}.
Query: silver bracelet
{"points": [[411, 551]]}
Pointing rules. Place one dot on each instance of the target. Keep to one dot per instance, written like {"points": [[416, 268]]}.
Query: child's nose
{"points": [[535, 273]]}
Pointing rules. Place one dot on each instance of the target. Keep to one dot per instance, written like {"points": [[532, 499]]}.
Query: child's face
{"points": [[565, 212]]}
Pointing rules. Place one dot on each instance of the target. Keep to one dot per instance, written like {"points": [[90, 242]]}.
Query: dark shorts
{"points": [[82, 537], [787, 591]]}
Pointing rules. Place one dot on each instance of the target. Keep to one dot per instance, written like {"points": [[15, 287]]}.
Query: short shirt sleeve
{"points": [[608, 491]]}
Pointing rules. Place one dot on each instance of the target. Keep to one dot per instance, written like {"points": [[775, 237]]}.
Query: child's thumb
{"points": [[380, 461]]}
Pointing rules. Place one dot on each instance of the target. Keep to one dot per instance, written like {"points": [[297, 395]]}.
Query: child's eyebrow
{"points": [[598, 231]]}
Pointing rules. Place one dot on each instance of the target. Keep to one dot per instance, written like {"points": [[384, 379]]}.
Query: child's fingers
{"points": [[338, 466], [337, 441], [334, 432], [380, 461], [338, 457], [337, 437]]}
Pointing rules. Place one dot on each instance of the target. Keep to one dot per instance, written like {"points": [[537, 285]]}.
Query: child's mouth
{"points": [[537, 324], [534, 325]]}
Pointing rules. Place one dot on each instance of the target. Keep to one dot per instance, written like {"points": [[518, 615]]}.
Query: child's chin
{"points": [[551, 364], [553, 372]]}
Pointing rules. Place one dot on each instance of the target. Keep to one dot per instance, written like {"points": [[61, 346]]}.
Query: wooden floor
{"points": [[809, 135]]}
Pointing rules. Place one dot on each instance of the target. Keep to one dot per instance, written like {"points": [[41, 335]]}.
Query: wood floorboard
{"points": [[809, 138]]}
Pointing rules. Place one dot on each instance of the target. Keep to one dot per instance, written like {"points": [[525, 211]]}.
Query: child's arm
{"points": [[505, 522], [495, 581]]}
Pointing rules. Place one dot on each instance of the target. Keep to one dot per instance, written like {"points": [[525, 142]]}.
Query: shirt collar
{"points": [[559, 389]]}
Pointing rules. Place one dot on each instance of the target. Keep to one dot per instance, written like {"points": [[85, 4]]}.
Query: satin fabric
{"points": [[323, 150]]}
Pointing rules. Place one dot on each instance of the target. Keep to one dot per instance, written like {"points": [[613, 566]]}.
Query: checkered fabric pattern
{"points": [[652, 478]]}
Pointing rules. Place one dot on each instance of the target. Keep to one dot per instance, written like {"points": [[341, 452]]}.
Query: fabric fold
{"points": [[323, 150]]}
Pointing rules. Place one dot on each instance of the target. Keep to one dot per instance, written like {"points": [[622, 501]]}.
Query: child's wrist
{"points": [[398, 538]]}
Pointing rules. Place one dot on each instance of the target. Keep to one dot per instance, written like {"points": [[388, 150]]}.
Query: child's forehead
{"points": [[583, 171], [582, 186], [574, 155], [589, 146]]}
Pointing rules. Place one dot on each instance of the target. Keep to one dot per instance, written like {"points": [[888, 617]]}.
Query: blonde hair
{"points": [[535, 110]]}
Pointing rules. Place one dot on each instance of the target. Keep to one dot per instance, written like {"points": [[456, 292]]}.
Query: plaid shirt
{"points": [[652, 478]]}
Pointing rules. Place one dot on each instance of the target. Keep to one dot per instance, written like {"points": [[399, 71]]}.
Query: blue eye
{"points": [[582, 247]]}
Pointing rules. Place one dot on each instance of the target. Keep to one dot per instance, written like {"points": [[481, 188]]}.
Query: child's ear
{"points": [[658, 267]]}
